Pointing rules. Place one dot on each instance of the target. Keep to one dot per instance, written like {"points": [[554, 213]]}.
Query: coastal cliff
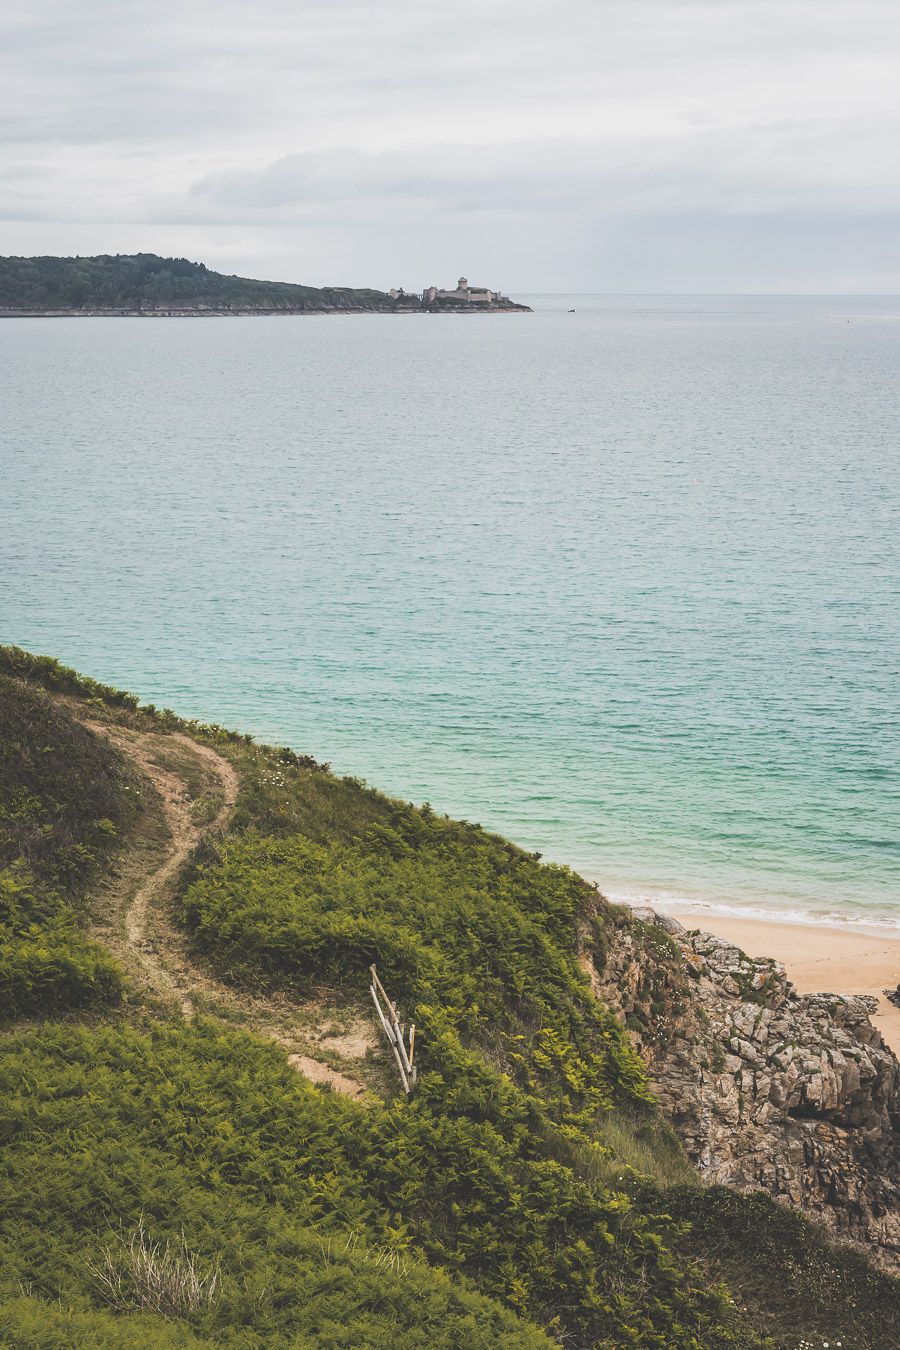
{"points": [[796, 1095], [194, 1090]]}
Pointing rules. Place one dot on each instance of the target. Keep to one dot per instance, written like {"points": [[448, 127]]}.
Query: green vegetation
{"points": [[207, 1132], [470, 934], [28, 1323], [63, 791], [528, 1194], [794, 1276], [146, 282], [515, 1156], [64, 800], [46, 964], [45, 672]]}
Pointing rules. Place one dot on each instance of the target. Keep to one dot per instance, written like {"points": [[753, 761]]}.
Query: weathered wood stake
{"points": [[396, 1033]]}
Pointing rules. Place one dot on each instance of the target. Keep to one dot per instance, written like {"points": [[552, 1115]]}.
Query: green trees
{"points": [[145, 281]]}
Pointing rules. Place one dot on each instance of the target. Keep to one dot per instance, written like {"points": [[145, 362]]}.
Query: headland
{"points": [[144, 285]]}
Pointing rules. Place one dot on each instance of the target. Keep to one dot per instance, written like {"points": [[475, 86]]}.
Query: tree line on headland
{"points": [[144, 283]]}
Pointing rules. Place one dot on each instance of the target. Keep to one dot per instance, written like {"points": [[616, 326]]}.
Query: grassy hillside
{"points": [[528, 1194], [65, 799], [144, 281]]}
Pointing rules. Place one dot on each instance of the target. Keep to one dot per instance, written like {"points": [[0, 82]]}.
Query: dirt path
{"points": [[185, 835], [138, 901]]}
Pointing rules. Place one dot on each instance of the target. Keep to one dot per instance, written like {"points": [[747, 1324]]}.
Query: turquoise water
{"points": [[622, 584]]}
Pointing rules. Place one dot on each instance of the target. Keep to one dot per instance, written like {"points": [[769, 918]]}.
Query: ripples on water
{"points": [[622, 583]]}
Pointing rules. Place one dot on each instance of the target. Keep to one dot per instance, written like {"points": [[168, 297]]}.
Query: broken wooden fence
{"points": [[402, 1043]]}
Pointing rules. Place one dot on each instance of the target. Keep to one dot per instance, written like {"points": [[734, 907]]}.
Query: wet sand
{"points": [[817, 960]]}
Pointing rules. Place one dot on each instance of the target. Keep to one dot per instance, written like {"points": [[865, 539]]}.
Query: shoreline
{"points": [[817, 959], [254, 312]]}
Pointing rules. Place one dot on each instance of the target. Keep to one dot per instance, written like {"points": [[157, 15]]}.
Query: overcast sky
{"points": [[537, 145]]}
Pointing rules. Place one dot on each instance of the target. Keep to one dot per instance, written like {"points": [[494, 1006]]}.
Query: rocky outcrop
{"points": [[769, 1089]]}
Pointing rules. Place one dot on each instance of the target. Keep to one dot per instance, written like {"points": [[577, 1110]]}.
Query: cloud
{"points": [[757, 170], [350, 125]]}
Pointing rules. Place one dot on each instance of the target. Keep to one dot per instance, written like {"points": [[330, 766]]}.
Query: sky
{"points": [[535, 145]]}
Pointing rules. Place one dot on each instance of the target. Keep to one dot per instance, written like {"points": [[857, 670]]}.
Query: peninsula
{"points": [[146, 285]]}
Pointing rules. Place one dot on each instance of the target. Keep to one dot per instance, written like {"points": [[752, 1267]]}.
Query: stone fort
{"points": [[463, 294]]}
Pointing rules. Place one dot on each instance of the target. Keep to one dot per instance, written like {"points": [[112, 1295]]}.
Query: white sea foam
{"points": [[668, 902]]}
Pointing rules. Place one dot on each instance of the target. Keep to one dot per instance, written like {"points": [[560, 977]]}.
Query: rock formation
{"points": [[797, 1095]]}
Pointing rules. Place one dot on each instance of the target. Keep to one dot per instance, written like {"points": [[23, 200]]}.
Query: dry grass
{"points": [[138, 1272], [382, 1256]]}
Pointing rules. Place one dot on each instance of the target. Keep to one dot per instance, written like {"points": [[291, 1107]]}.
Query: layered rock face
{"points": [[794, 1094]]}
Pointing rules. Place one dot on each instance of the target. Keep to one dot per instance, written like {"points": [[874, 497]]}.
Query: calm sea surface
{"points": [[622, 584]]}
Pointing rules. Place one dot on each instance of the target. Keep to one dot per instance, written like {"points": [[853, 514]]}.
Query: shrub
{"points": [[46, 963], [52, 674], [477, 933], [238, 1164], [28, 1323], [65, 793]]}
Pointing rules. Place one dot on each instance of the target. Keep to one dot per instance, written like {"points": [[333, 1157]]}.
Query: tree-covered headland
{"points": [[147, 283]]}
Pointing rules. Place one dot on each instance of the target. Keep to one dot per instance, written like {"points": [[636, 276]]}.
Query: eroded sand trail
{"points": [[185, 835]]}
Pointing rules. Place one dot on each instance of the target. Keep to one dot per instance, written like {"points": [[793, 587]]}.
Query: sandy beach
{"points": [[817, 960]]}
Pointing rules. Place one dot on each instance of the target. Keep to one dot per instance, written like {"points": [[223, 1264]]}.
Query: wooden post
{"points": [[396, 1033]]}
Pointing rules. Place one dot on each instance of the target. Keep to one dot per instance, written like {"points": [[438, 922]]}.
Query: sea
{"points": [[618, 579]]}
